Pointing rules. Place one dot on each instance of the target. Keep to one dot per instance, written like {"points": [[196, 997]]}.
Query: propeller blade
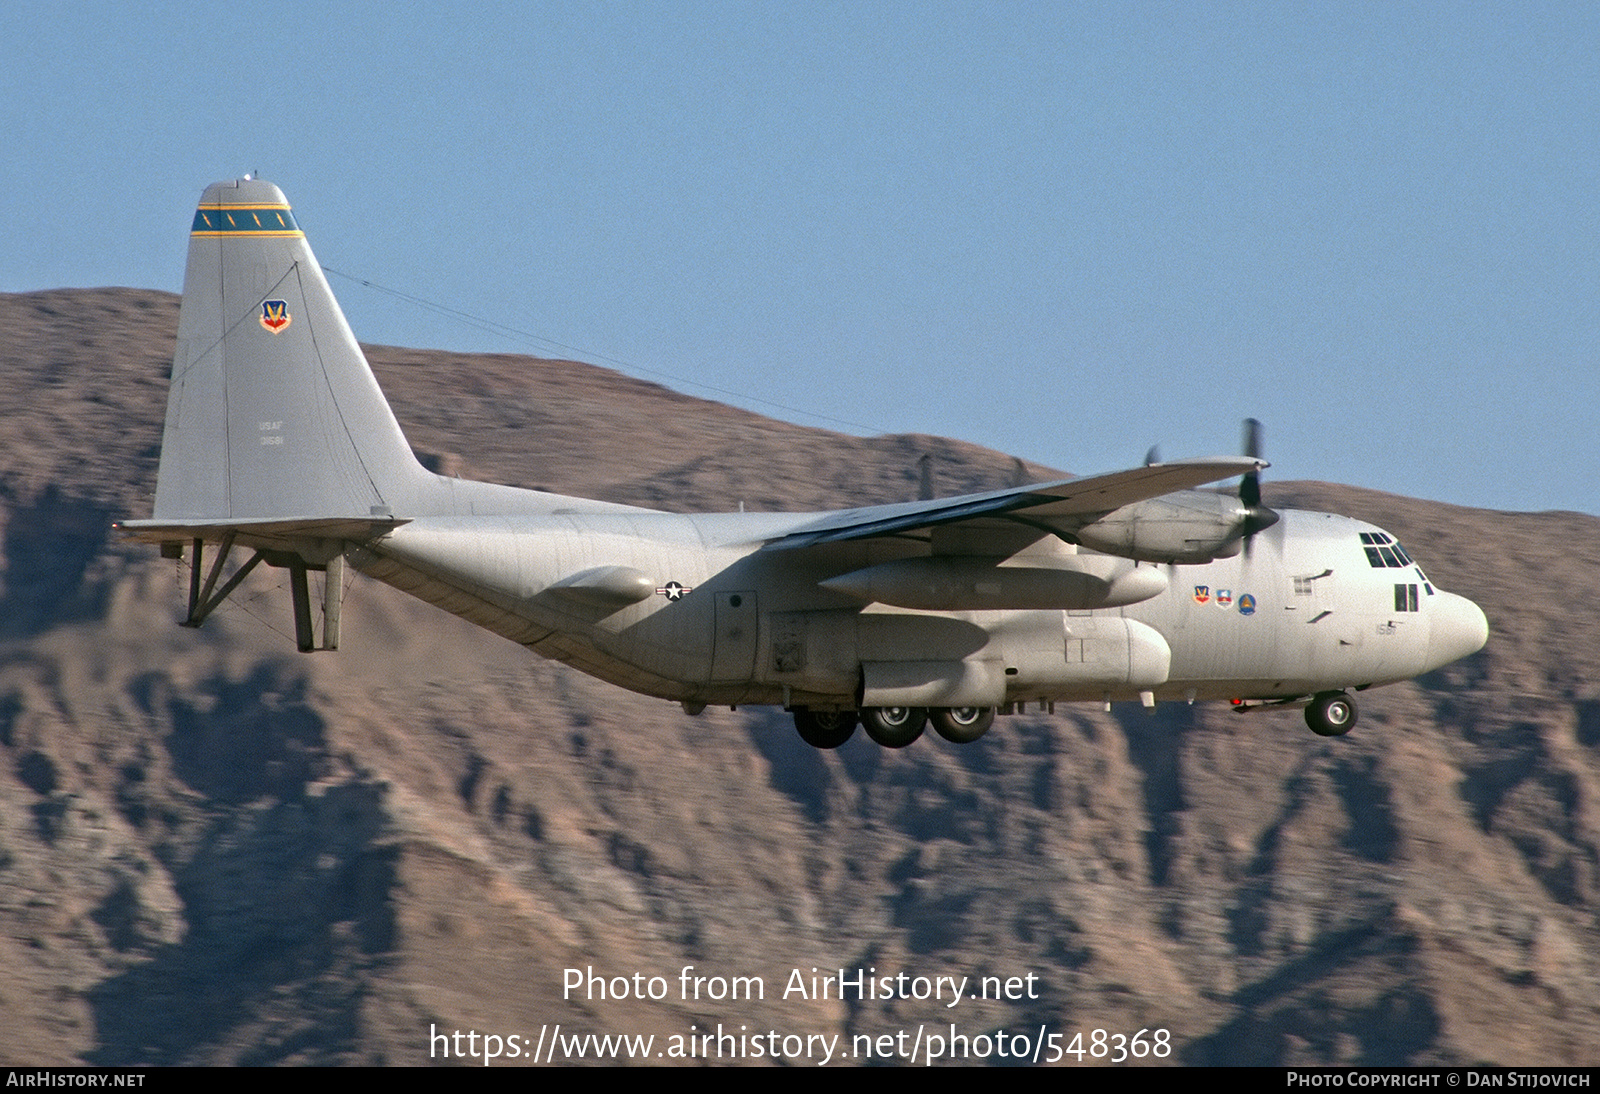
{"points": [[1250, 484], [1252, 438], [1257, 516]]}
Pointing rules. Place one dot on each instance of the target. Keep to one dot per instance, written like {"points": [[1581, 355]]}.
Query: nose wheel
{"points": [[1332, 714]]}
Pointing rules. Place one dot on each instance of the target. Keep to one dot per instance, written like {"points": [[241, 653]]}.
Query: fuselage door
{"points": [[734, 655]]}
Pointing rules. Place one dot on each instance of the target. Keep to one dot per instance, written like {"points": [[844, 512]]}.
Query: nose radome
{"points": [[1458, 628]]}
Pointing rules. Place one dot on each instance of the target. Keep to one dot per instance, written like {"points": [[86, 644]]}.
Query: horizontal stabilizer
{"points": [[268, 533]]}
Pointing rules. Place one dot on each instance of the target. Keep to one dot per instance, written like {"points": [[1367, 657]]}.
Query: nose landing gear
{"points": [[1332, 714]]}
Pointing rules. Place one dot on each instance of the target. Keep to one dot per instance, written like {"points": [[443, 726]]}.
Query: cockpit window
{"points": [[1384, 551]]}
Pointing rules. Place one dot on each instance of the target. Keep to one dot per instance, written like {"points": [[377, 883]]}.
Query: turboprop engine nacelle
{"points": [[964, 583], [1190, 527]]}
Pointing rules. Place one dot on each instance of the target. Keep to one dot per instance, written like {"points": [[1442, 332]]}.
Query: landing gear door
{"points": [[733, 657]]}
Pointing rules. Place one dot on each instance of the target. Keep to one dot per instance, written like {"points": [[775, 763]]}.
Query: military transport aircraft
{"points": [[1129, 586]]}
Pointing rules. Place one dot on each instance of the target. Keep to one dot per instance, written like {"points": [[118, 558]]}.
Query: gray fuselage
{"points": [[727, 620]]}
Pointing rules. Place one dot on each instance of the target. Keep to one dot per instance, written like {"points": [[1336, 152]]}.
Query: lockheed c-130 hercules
{"points": [[1129, 586]]}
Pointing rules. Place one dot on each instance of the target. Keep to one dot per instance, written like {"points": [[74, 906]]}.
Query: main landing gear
{"points": [[1332, 714], [962, 725], [892, 727], [824, 728]]}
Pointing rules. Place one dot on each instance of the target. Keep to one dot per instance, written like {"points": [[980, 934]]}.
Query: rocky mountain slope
{"points": [[214, 850]]}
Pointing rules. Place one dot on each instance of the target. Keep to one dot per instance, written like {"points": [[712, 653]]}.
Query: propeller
{"points": [[1257, 517]]}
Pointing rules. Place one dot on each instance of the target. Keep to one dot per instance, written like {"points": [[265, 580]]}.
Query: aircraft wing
{"points": [[1062, 505]]}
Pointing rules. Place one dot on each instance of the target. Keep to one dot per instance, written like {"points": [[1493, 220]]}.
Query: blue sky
{"points": [[1065, 231]]}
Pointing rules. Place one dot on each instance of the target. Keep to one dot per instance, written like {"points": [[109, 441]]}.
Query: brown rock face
{"points": [[214, 850]]}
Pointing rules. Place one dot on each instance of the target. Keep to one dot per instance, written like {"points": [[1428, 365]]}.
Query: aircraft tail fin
{"points": [[273, 411]]}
